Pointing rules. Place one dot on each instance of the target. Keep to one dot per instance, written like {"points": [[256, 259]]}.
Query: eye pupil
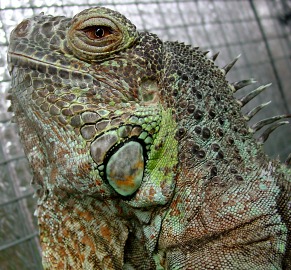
{"points": [[99, 32]]}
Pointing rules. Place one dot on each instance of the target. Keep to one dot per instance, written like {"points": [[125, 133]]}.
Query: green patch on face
{"points": [[159, 177]]}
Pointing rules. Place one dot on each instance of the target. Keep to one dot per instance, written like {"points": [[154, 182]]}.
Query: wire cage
{"points": [[258, 30]]}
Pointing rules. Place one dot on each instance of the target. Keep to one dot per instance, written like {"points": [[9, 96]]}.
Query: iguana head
{"points": [[86, 92], [101, 109]]}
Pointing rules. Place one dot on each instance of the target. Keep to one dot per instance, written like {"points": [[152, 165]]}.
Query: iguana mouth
{"points": [[51, 67]]}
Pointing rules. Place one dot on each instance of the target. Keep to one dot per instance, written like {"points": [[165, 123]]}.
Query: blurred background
{"points": [[258, 30]]}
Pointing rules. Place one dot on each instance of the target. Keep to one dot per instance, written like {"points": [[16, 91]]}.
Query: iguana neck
{"points": [[78, 233]]}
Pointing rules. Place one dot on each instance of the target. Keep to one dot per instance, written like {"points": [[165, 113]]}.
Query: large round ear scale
{"points": [[125, 168]]}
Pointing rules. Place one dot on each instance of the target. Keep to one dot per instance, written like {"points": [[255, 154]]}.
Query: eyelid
{"points": [[97, 21]]}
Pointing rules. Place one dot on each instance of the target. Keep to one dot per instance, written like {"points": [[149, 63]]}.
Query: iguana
{"points": [[141, 154]]}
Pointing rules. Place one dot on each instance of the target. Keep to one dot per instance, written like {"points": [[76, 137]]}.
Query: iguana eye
{"points": [[97, 32]]}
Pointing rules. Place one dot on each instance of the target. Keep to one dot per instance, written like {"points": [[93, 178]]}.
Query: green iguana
{"points": [[141, 155]]}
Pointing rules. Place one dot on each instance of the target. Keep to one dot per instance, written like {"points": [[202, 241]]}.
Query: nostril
{"points": [[22, 29]]}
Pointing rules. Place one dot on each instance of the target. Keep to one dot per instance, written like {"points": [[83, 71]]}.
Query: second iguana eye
{"points": [[97, 32]]}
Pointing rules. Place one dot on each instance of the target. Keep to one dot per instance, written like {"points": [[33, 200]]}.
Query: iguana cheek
{"points": [[125, 168]]}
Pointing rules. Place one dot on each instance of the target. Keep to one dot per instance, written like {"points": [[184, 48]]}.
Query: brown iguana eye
{"points": [[97, 32]]}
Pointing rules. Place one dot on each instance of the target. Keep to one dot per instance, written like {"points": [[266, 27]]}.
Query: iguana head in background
{"points": [[141, 154]]}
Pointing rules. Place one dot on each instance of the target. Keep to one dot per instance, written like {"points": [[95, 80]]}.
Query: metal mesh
{"points": [[259, 30]]}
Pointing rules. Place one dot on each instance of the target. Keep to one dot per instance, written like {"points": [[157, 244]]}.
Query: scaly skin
{"points": [[141, 155]]}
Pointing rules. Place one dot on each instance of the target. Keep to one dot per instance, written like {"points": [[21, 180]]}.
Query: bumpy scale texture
{"points": [[140, 152]]}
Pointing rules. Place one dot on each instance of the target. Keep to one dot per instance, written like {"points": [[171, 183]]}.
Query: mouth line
{"points": [[24, 59]]}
